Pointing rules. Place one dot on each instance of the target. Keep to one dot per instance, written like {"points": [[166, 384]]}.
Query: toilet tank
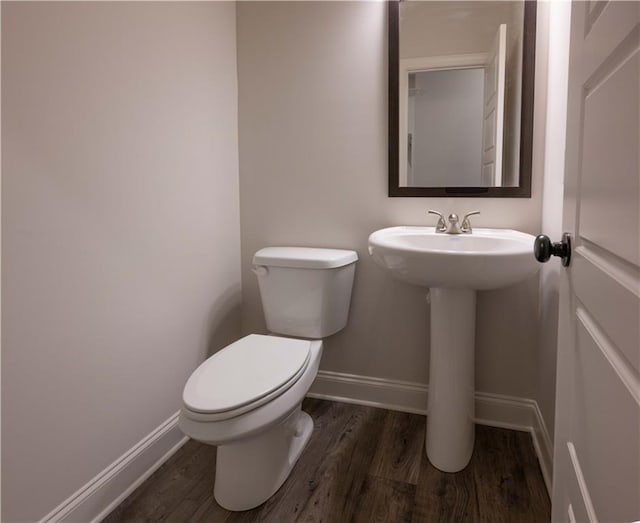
{"points": [[305, 291]]}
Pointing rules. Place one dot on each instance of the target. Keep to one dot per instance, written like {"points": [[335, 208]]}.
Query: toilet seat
{"points": [[244, 375]]}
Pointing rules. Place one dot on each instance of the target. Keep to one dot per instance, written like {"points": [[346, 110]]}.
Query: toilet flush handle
{"points": [[260, 270]]}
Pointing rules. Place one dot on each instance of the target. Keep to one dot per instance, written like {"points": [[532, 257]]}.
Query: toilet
{"points": [[247, 397]]}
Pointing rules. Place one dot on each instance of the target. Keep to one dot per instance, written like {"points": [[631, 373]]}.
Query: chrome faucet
{"points": [[454, 227], [440, 226], [466, 224]]}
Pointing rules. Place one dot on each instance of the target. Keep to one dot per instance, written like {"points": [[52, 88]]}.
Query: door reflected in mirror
{"points": [[463, 97], [443, 107]]}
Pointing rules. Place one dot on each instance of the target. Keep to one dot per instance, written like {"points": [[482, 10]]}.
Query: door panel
{"points": [[610, 185], [597, 439], [598, 285], [609, 457]]}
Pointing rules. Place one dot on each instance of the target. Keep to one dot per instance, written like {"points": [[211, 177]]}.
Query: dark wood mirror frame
{"points": [[526, 121]]}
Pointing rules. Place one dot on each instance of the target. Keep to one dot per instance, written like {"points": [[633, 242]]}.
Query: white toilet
{"points": [[246, 398]]}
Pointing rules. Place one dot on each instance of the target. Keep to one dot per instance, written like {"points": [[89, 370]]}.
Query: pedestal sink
{"points": [[454, 267]]}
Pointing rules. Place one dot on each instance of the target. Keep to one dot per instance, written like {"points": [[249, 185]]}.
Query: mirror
{"points": [[461, 81]]}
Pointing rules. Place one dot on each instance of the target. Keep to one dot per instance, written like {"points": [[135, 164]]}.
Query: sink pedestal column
{"points": [[450, 425]]}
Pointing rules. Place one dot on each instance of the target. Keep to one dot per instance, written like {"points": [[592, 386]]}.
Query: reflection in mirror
{"points": [[463, 96]]}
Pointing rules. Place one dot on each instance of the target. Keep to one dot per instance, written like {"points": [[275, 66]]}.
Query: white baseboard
{"points": [[404, 396], [95, 500], [494, 410]]}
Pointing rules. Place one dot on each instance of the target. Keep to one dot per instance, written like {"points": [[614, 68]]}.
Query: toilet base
{"points": [[250, 471]]}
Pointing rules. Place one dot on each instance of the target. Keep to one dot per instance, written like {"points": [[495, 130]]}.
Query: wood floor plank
{"points": [[400, 449], [442, 496], [165, 489], [188, 506], [500, 476], [148, 487], [362, 464], [346, 468], [383, 500]]}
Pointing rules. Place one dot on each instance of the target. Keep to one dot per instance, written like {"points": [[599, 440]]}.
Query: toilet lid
{"points": [[242, 373]]}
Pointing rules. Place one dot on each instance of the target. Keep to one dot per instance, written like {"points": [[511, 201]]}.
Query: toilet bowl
{"points": [[246, 398]]}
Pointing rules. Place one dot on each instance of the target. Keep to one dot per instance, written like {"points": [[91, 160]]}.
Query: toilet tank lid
{"points": [[304, 257]]}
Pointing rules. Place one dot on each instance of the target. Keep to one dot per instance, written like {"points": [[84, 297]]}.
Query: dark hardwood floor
{"points": [[361, 464]]}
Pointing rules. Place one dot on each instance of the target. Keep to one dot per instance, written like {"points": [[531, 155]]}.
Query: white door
{"points": [[493, 113], [597, 440]]}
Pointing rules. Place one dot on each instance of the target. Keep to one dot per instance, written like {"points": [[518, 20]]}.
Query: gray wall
{"points": [[322, 180], [120, 229]]}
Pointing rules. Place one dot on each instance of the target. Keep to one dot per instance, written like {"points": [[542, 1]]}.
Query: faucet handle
{"points": [[466, 224], [440, 226]]}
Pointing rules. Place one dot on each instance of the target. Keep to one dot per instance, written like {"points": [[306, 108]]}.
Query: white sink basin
{"points": [[484, 259], [454, 266]]}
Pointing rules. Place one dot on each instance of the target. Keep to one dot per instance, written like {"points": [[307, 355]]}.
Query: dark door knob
{"points": [[543, 249]]}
